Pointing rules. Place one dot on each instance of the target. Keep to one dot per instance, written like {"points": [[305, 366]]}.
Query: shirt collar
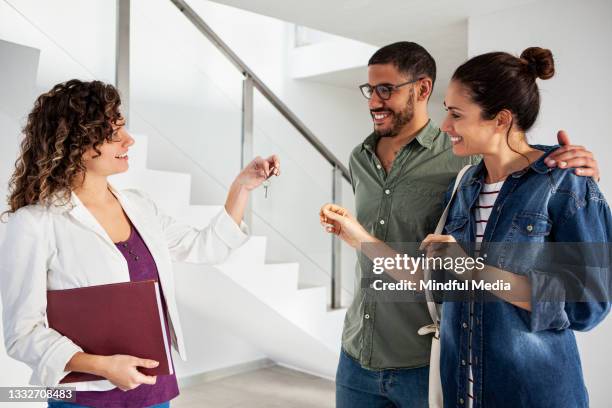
{"points": [[58, 202], [425, 137]]}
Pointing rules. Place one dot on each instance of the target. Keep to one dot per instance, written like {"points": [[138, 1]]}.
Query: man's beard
{"points": [[399, 120]]}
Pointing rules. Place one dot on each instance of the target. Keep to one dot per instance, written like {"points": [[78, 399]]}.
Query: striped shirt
{"points": [[482, 212]]}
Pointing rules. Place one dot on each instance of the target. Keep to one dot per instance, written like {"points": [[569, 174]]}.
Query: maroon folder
{"points": [[119, 318]]}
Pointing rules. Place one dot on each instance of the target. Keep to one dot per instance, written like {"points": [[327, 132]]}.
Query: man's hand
{"points": [[337, 220], [572, 156]]}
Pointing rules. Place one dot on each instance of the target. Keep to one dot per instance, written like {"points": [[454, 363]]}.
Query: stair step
{"points": [[340, 310], [266, 280], [198, 216], [312, 299], [253, 252], [214, 295], [169, 190], [289, 271]]}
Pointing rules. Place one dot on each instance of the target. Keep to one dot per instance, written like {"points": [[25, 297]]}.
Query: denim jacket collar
{"points": [[538, 166]]}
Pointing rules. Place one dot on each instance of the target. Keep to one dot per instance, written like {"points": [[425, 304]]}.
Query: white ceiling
{"points": [[438, 25]]}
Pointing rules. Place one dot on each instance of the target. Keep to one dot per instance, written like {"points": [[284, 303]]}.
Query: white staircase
{"points": [[260, 302]]}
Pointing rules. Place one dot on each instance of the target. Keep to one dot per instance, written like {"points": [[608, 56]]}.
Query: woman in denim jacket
{"points": [[514, 350], [523, 351]]}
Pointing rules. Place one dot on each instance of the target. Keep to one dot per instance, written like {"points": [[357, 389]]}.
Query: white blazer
{"points": [[62, 247]]}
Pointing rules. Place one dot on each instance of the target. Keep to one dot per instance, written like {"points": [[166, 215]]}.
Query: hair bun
{"points": [[539, 61]]}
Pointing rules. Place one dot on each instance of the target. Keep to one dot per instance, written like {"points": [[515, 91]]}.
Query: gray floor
{"points": [[268, 387]]}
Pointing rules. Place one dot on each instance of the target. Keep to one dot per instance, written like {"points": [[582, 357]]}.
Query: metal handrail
{"points": [[339, 171], [205, 29]]}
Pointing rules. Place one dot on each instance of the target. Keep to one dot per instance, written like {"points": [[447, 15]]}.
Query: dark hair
{"points": [[64, 123], [409, 58], [498, 80]]}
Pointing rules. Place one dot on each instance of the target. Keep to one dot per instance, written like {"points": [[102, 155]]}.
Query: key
{"points": [[266, 182]]}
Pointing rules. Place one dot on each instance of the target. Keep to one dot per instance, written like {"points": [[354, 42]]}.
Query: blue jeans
{"points": [[358, 387], [62, 404]]}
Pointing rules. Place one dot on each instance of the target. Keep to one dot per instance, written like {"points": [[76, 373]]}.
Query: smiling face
{"points": [[113, 158], [390, 115], [469, 132]]}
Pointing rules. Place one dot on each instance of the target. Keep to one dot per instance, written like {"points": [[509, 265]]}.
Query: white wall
{"points": [[576, 99]]}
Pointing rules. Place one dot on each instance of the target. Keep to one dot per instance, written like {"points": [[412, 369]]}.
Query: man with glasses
{"points": [[399, 175]]}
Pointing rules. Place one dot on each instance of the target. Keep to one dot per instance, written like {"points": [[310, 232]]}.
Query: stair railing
{"points": [[251, 81]]}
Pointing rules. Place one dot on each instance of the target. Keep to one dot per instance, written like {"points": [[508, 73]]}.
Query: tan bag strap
{"points": [[431, 305]]}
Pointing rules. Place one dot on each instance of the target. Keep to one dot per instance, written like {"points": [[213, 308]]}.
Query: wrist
{"points": [[88, 363], [238, 186], [368, 238], [99, 365]]}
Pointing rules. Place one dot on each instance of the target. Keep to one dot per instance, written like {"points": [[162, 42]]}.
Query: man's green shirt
{"points": [[402, 206]]}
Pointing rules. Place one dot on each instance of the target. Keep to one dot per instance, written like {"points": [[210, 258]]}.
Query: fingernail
{"points": [[550, 161], [562, 164]]}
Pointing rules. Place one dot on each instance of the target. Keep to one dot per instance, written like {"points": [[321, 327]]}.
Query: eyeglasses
{"points": [[383, 91]]}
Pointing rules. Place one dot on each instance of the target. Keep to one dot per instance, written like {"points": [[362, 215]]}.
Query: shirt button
{"points": [[462, 362], [464, 325], [367, 316], [387, 191], [530, 228], [378, 166], [461, 401], [382, 222]]}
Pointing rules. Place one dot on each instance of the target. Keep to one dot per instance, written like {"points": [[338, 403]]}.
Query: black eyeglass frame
{"points": [[389, 88]]}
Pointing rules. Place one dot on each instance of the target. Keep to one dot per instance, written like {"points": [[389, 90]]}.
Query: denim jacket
{"points": [[521, 358]]}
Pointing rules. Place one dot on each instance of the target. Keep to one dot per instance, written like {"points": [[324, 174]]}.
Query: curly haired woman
{"points": [[68, 227]]}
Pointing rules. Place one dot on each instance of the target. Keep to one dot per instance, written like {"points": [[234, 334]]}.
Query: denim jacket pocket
{"points": [[455, 225], [532, 224]]}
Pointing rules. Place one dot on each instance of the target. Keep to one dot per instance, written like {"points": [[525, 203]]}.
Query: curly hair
{"points": [[67, 121]]}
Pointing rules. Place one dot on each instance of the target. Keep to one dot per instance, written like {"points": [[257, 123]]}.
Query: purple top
{"points": [[142, 267]]}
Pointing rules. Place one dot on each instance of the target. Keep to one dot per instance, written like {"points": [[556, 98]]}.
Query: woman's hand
{"points": [[251, 177], [430, 242], [122, 371], [443, 246], [257, 171], [337, 220]]}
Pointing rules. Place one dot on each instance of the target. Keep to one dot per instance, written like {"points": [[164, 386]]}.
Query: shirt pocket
{"points": [[531, 224], [419, 206]]}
